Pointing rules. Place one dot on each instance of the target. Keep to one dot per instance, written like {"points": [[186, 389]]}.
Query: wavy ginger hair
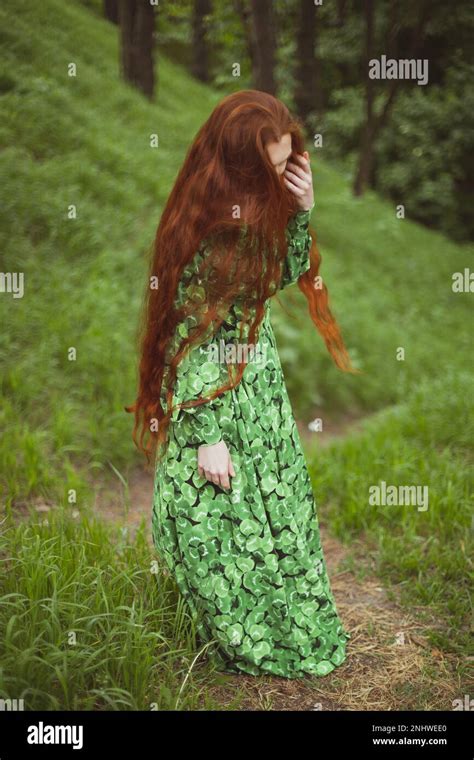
{"points": [[226, 186]]}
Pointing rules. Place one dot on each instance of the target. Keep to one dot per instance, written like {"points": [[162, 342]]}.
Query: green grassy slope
{"points": [[84, 140]]}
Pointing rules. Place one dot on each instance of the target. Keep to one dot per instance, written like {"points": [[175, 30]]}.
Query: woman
{"points": [[234, 516]]}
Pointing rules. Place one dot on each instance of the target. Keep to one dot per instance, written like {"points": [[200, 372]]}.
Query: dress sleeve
{"points": [[201, 371], [299, 240]]}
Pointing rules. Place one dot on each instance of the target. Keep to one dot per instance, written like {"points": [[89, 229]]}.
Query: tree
{"points": [[137, 23], [366, 153], [200, 51], [308, 87], [244, 13], [264, 44], [111, 11], [374, 122]]}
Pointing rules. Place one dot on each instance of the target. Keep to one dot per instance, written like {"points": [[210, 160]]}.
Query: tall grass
{"points": [[89, 621]]}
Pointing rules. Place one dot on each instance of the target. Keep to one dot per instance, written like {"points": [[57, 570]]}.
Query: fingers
{"points": [[299, 179], [219, 478], [304, 184], [215, 464], [302, 167], [304, 161], [213, 476], [300, 171], [225, 480], [294, 189], [230, 471]]}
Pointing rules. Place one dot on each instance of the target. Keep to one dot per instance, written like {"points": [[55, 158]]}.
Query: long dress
{"points": [[248, 561]]}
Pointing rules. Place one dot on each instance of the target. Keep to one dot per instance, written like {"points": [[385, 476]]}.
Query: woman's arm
{"points": [[200, 372], [205, 425], [299, 181], [297, 261]]}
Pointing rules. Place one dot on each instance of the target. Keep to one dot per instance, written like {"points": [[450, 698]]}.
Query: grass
{"points": [[90, 623], [81, 141], [68, 369], [424, 554]]}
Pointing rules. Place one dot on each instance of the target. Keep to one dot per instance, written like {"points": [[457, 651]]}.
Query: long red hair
{"points": [[227, 185]]}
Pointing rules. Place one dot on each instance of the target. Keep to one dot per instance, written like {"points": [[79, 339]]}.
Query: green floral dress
{"points": [[248, 561]]}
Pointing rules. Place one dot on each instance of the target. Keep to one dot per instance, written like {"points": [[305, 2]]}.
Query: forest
{"points": [[392, 134]]}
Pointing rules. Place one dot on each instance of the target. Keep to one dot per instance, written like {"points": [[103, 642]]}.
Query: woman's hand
{"points": [[215, 464], [299, 181]]}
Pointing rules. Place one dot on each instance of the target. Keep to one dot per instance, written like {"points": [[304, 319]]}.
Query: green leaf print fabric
{"points": [[248, 561]]}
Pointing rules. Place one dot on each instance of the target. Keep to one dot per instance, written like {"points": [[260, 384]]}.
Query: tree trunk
{"points": [[111, 11], [366, 146], [136, 18], [200, 51], [308, 89], [263, 30], [341, 12], [243, 11]]}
